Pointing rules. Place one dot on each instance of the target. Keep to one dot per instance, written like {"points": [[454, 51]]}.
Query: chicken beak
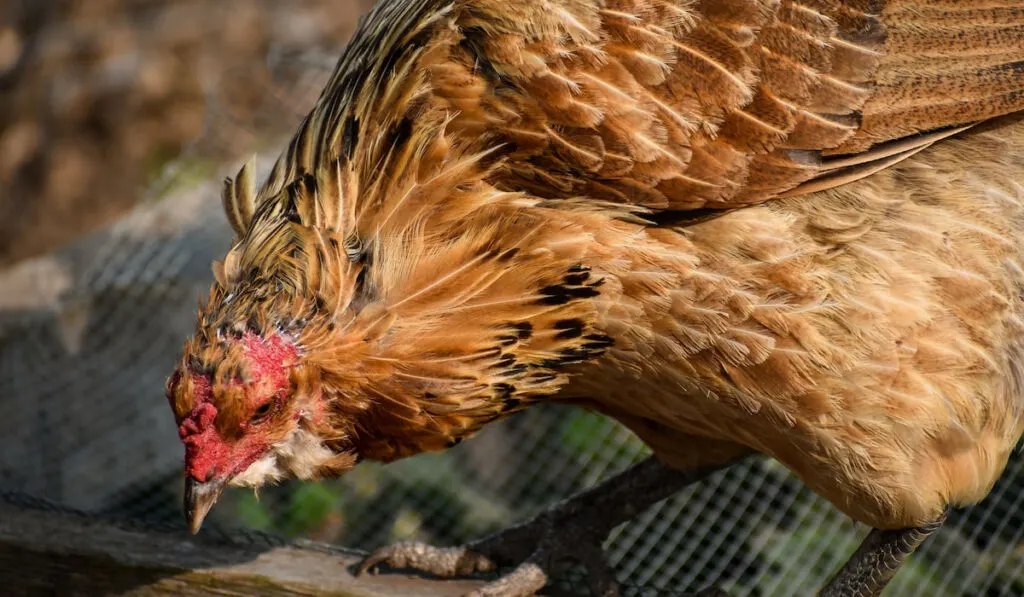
{"points": [[199, 498]]}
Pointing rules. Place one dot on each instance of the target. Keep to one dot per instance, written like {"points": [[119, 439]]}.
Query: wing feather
{"points": [[718, 104], [654, 105]]}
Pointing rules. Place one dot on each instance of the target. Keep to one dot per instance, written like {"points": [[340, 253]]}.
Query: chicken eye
{"points": [[261, 413]]}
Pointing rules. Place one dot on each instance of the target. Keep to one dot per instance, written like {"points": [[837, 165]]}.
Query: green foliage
{"points": [[251, 512], [164, 176]]}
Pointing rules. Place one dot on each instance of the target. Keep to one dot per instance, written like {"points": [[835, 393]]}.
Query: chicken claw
{"points": [[543, 548], [446, 562], [572, 532]]}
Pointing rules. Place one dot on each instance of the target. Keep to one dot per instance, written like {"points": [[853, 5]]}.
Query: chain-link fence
{"points": [[89, 331]]}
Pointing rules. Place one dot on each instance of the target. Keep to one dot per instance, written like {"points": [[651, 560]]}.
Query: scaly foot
{"points": [[877, 561], [543, 548]]}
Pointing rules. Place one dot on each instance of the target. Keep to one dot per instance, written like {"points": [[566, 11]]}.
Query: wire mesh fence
{"points": [[89, 331]]}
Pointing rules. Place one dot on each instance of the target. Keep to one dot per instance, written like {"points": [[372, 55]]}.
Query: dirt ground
{"points": [[97, 96]]}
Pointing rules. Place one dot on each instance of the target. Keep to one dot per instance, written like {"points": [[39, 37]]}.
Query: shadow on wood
{"points": [[56, 553]]}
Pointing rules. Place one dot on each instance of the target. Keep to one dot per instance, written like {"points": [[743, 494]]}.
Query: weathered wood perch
{"points": [[55, 553]]}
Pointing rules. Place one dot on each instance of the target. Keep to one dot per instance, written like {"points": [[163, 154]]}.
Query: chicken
{"points": [[736, 226]]}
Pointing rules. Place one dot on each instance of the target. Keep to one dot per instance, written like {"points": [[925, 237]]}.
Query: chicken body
{"points": [[736, 226], [888, 377]]}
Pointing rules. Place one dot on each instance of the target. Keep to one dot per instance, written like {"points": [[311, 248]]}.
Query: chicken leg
{"points": [[544, 547], [876, 561]]}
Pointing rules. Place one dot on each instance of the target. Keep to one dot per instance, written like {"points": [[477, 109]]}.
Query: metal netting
{"points": [[89, 332]]}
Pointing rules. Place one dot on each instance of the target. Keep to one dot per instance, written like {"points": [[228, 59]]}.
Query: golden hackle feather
{"points": [[239, 197], [381, 272], [497, 202]]}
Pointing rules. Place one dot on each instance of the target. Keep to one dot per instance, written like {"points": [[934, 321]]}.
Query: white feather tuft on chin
{"points": [[299, 455]]}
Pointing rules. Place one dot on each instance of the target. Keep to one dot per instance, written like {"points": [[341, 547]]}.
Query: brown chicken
{"points": [[735, 226]]}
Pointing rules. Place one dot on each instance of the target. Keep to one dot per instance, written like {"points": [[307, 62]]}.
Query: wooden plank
{"points": [[54, 553]]}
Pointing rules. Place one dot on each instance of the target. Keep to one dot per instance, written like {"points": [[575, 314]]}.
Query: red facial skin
{"points": [[207, 454]]}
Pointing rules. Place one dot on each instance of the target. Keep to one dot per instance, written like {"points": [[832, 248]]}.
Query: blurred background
{"points": [[118, 121]]}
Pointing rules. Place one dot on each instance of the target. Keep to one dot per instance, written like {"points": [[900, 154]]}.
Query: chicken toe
{"points": [[446, 562], [570, 533]]}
